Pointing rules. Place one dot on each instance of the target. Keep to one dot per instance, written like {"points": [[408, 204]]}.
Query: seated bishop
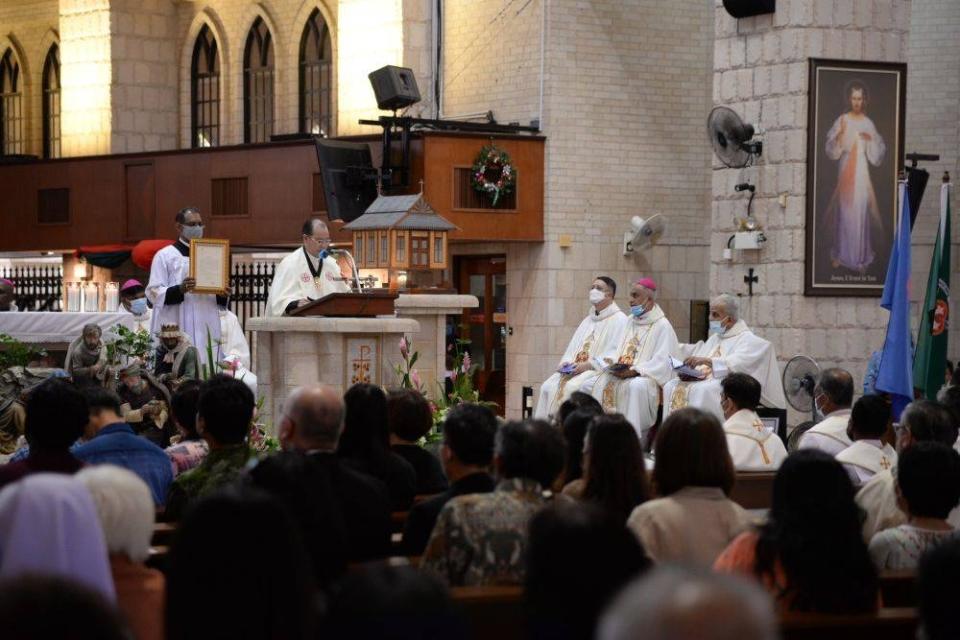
{"points": [[731, 348], [753, 447], [591, 339], [638, 363], [833, 396]]}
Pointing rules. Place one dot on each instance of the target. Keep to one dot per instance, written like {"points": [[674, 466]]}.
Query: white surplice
{"points": [[233, 342], [591, 340], [830, 434], [197, 314], [752, 446], [866, 458], [738, 350], [300, 277], [646, 344]]}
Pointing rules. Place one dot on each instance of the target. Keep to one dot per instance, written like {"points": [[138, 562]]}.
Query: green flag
{"points": [[930, 362]]}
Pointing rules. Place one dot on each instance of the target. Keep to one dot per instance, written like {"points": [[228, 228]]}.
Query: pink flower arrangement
{"points": [[404, 347], [415, 378], [466, 363]]}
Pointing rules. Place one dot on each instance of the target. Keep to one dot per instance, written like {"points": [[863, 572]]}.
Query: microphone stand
{"points": [[353, 265]]}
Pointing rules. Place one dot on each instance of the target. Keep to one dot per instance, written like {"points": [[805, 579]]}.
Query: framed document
{"points": [[210, 265]]}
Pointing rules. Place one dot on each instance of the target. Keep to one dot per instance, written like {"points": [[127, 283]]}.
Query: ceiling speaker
{"points": [[747, 8]]}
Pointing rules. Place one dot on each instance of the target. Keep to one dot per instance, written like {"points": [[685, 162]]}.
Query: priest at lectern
{"points": [[307, 274]]}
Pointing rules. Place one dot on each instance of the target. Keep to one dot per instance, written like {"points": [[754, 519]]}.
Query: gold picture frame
{"points": [[210, 265]]}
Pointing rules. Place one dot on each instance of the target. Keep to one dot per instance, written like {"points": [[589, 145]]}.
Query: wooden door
{"points": [[486, 326], [141, 200]]}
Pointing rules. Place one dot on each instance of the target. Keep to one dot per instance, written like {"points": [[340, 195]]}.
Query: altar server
{"points": [[171, 290], [753, 447], [592, 339], [133, 298], [731, 348], [833, 396], [644, 344], [307, 274], [868, 455]]}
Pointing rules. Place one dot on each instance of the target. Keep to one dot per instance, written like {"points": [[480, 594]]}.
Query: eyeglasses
{"points": [[320, 241]]}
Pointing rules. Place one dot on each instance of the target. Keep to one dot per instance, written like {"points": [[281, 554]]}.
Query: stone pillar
{"points": [[760, 71]]}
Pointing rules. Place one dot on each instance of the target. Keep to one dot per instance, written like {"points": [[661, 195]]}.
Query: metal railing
{"points": [[37, 287]]}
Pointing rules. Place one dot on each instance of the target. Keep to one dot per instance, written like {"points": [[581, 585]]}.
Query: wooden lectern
{"points": [[350, 305]]}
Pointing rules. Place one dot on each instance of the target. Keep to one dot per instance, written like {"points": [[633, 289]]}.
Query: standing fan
{"points": [[732, 138], [800, 378]]}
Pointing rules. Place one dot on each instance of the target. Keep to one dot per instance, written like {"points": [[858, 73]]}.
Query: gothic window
{"points": [[315, 76], [11, 105], [51, 104], [258, 84], [205, 91]]}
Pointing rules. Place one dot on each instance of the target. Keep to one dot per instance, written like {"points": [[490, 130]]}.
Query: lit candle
{"points": [[91, 297], [73, 296], [112, 295]]}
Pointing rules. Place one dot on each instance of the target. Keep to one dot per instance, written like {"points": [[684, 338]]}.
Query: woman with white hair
{"points": [[125, 506]]}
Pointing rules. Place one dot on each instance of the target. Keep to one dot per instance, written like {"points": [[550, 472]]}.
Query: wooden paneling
{"points": [[141, 200], [229, 197], [53, 206]]}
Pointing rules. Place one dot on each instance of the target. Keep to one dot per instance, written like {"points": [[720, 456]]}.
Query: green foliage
{"points": [[128, 344], [14, 353]]}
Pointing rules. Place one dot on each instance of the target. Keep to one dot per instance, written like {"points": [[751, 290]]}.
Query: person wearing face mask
{"points": [[833, 396], [133, 298], [752, 446], [307, 274], [171, 290], [731, 348], [641, 351], [592, 338]]}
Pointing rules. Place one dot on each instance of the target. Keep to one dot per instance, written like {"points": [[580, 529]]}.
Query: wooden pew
{"points": [[886, 624], [753, 489], [898, 588], [163, 533], [492, 613]]}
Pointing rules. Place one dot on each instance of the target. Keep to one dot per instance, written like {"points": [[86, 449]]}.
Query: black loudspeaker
{"points": [[747, 8], [394, 87], [349, 179]]}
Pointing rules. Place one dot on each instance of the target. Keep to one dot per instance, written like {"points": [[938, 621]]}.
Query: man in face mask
{"points": [[637, 363], [133, 298], [832, 397], [591, 339], [730, 348], [307, 274], [171, 290]]}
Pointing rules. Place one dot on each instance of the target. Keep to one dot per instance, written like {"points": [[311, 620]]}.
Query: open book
{"points": [[683, 370]]}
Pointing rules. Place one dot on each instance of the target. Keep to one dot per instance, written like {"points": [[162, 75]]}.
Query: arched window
{"points": [[51, 104], [205, 91], [258, 84], [11, 105], [315, 71]]}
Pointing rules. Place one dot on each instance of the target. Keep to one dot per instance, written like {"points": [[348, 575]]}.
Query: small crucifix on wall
{"points": [[750, 280]]}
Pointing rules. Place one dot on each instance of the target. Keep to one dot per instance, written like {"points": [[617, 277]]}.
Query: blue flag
{"points": [[895, 375]]}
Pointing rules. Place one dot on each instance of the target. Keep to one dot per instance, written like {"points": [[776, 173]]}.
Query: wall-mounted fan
{"points": [[643, 233], [800, 378], [731, 138]]}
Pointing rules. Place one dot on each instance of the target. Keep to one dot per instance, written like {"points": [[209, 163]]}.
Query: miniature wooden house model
{"points": [[403, 235]]}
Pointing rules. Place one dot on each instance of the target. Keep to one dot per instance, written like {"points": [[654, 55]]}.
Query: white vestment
{"points": [[196, 314], [144, 322], [591, 340], [738, 350], [233, 342], [297, 278], [646, 344], [752, 446], [878, 499], [865, 458], [830, 434]]}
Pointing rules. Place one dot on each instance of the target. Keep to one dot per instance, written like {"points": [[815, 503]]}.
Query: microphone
{"points": [[353, 265]]}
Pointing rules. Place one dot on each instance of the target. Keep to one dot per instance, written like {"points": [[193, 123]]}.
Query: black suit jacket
{"points": [[343, 514], [430, 476], [423, 517]]}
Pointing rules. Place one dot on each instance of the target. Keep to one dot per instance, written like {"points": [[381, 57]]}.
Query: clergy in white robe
{"points": [[753, 447], [868, 455], [644, 345], [833, 396], [307, 274], [170, 289], [591, 340], [133, 299], [921, 421], [731, 347]]}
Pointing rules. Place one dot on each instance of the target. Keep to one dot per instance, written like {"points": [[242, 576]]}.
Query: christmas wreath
{"points": [[493, 173]]}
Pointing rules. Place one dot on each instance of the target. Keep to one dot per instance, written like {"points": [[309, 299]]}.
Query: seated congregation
{"points": [[541, 529]]}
